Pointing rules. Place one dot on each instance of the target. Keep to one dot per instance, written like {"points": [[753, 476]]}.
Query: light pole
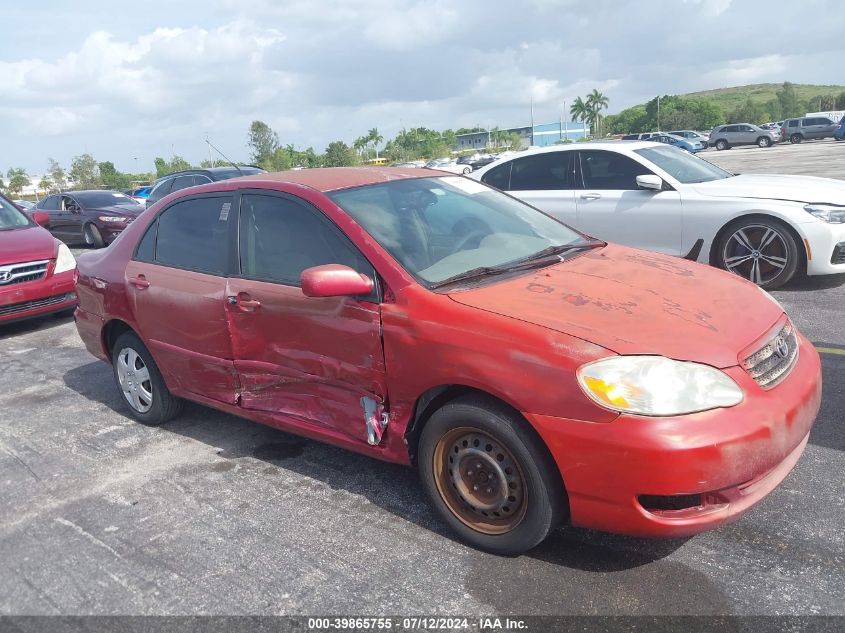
{"points": [[658, 113]]}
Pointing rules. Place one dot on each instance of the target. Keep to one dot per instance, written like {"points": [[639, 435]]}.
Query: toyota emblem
{"points": [[781, 347]]}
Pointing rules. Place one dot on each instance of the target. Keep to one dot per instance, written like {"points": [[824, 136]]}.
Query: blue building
{"points": [[543, 134]]}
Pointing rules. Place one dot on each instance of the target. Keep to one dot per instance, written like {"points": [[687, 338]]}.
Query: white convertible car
{"points": [[766, 228]]}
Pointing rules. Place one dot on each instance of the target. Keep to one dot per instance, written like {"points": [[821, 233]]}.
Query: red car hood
{"points": [[636, 302], [25, 245]]}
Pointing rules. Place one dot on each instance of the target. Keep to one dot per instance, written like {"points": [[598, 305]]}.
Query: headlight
{"points": [[654, 385], [64, 260], [827, 212], [112, 219]]}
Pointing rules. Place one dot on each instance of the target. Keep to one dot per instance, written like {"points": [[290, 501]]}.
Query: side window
{"points": [[544, 172], [609, 170], [194, 234], [279, 238], [49, 204], [731, 128], [200, 179], [182, 182], [147, 247], [159, 191], [793, 123], [500, 177]]}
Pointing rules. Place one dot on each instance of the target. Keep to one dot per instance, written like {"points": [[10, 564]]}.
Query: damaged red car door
{"points": [[317, 359]]}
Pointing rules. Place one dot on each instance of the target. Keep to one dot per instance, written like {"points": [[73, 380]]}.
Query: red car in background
{"points": [[36, 269], [532, 374]]}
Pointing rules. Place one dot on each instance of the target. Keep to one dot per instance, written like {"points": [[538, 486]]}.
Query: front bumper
{"points": [[729, 459], [53, 293], [823, 247]]}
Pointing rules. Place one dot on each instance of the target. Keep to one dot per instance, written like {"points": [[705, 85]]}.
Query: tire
{"points": [[531, 500], [764, 141], [149, 400], [93, 237], [795, 139], [722, 144], [467, 170], [777, 255]]}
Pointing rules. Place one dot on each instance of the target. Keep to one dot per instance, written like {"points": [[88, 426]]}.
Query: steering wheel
{"points": [[477, 233]]}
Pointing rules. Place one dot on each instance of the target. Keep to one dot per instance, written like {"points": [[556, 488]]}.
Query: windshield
{"points": [[439, 228], [99, 199], [11, 217], [683, 166]]}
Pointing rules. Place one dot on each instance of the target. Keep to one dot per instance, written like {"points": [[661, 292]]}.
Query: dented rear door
{"points": [[315, 359]]}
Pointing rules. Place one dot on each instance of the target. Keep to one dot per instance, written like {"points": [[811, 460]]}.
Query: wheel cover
{"points": [[134, 378], [480, 481], [89, 238], [757, 252]]}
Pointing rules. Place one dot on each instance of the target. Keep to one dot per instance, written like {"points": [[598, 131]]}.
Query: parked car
{"points": [[692, 135], [192, 177], [36, 270], [528, 371], [24, 205], [477, 160], [448, 164], [839, 134], [766, 228], [639, 137], [806, 128], [685, 144], [727, 136], [139, 194], [91, 217]]}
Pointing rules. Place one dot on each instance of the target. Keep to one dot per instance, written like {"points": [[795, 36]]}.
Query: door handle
{"points": [[244, 302], [590, 196], [140, 282]]}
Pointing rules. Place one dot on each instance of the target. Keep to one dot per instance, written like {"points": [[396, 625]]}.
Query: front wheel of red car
{"points": [[140, 382], [490, 477]]}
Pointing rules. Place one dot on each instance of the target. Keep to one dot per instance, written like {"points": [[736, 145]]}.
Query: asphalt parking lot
{"points": [[211, 514]]}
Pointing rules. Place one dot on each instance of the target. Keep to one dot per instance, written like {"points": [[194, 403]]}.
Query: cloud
{"points": [[156, 82]]}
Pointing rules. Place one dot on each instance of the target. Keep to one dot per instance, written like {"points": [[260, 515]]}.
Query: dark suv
{"points": [[192, 177], [808, 127]]}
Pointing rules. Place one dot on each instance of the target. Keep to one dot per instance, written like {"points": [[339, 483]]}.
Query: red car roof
{"points": [[334, 178]]}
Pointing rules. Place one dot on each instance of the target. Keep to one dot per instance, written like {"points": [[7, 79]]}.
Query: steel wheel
{"points": [[757, 252], [134, 379], [480, 481], [796, 138]]}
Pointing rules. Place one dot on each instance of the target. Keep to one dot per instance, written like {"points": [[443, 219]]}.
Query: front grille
{"points": [[21, 273], [773, 362], [37, 303], [838, 256]]}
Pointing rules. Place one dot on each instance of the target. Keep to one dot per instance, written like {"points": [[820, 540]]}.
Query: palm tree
{"points": [[579, 110], [375, 138], [596, 102]]}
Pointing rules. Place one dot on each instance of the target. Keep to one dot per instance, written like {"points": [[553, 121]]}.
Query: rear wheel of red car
{"points": [[93, 237], [489, 476], [140, 382], [760, 249]]}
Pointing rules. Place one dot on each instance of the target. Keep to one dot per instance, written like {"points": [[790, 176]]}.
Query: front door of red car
{"points": [[176, 285], [314, 359]]}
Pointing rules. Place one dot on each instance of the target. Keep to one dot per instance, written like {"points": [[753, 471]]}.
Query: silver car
{"points": [[726, 136], [808, 127]]}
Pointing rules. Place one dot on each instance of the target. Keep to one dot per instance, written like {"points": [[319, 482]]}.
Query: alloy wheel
{"points": [[480, 481], [134, 378], [757, 252]]}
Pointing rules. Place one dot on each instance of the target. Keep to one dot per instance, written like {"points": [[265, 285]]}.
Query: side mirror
{"points": [[650, 181], [41, 218], [334, 280]]}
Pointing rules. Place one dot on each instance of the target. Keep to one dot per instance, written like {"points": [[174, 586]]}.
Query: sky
{"points": [[128, 82]]}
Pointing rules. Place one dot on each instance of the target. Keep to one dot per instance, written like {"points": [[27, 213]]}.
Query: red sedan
{"points": [[532, 374], [36, 269]]}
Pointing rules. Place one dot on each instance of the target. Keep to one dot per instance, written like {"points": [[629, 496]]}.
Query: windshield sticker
{"points": [[464, 184], [224, 211]]}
